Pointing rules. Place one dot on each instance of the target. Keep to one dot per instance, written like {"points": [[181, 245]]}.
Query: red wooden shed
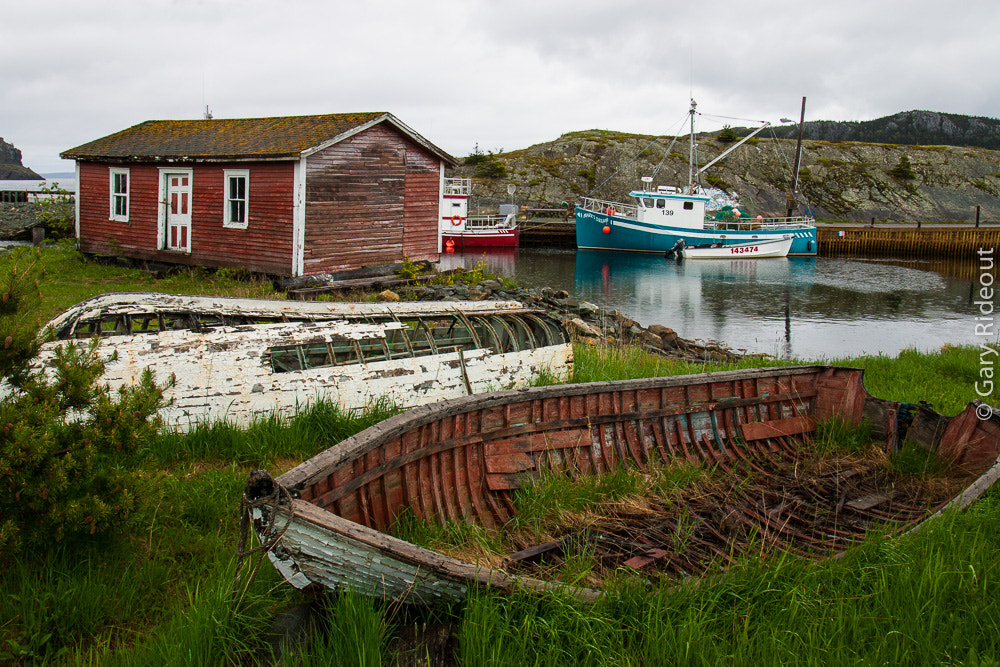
{"points": [[285, 196]]}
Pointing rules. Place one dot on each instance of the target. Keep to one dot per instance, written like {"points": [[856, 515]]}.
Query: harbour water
{"points": [[810, 308]]}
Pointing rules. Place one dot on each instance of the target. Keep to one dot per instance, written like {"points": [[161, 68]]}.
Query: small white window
{"points": [[119, 194], [237, 184]]}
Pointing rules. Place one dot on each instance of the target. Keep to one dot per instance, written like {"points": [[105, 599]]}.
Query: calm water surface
{"points": [[809, 308]]}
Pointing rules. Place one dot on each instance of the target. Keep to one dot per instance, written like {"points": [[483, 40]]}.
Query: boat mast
{"points": [[793, 197], [694, 105]]}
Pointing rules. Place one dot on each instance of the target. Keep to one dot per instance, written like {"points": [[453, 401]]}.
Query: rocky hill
{"points": [[845, 180], [10, 164]]}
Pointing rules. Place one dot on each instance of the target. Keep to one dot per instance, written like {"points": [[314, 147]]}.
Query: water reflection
{"points": [[805, 307]]}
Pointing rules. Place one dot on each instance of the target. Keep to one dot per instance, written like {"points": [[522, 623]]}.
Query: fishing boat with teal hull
{"points": [[658, 217], [639, 227]]}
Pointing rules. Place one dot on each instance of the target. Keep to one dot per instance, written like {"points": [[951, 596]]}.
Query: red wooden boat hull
{"points": [[462, 460]]}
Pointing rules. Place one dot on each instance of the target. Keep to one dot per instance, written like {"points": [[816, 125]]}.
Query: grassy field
{"points": [[71, 277], [163, 592]]}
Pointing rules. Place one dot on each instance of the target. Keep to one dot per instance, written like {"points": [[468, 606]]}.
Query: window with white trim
{"points": [[237, 185], [119, 194]]}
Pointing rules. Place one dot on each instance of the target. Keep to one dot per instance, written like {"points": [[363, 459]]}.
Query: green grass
{"points": [[922, 599], [839, 435], [70, 277], [163, 594], [269, 439]]}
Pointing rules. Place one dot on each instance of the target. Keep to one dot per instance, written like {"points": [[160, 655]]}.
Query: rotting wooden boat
{"points": [[325, 521], [236, 359]]}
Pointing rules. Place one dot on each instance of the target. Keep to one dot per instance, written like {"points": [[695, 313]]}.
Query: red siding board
{"points": [[423, 175], [371, 199], [265, 245]]}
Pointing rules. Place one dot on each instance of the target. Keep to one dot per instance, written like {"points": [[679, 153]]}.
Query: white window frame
{"points": [[115, 172], [227, 220]]}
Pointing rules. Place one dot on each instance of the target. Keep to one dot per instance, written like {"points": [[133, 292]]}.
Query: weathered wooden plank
{"points": [[648, 558], [508, 461], [535, 552], [778, 427], [868, 501]]}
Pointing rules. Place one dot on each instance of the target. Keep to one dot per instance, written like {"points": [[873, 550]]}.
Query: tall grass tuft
{"points": [[210, 623], [356, 632], [602, 363], [839, 435], [549, 630], [271, 437], [461, 538]]}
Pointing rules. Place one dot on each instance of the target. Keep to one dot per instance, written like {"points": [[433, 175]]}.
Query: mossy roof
{"points": [[287, 137]]}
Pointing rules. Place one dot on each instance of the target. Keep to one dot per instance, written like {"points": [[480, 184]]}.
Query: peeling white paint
{"points": [[226, 374]]}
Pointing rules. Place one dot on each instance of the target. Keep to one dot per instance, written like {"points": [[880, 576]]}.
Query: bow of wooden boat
{"points": [[462, 460], [313, 547]]}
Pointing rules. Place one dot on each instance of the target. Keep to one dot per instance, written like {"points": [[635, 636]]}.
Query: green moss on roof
{"points": [[283, 137]]}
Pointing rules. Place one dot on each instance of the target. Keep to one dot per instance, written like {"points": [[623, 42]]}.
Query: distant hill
{"points": [[10, 164], [907, 128]]}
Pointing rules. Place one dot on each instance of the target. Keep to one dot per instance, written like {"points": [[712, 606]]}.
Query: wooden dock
{"points": [[910, 241], [548, 232]]}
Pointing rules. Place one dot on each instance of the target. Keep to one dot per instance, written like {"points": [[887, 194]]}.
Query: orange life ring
{"points": [[456, 220]]}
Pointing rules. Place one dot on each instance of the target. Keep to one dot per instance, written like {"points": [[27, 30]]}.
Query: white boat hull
{"points": [[351, 354], [757, 249]]}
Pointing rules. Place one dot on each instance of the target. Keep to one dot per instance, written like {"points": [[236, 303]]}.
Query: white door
{"points": [[178, 204]]}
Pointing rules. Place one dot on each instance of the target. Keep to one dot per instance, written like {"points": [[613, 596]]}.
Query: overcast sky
{"points": [[505, 75]]}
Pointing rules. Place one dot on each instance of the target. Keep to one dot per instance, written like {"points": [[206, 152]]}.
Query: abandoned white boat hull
{"points": [[350, 354]]}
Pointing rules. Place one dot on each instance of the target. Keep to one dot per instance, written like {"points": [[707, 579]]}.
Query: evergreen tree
{"points": [[67, 445]]}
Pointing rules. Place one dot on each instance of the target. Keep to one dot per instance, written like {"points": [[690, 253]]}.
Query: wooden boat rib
{"points": [[237, 359], [462, 459]]}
